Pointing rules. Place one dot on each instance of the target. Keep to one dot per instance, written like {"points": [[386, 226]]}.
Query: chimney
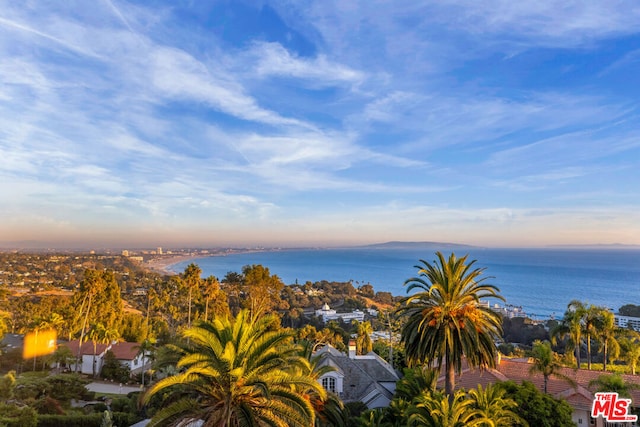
{"points": [[352, 349]]}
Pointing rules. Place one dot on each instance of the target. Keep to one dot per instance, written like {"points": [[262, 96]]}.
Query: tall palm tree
{"points": [[237, 373], [607, 333], [363, 339], [192, 280], [589, 320], [571, 327], [546, 363], [95, 334], [445, 320], [145, 349]]}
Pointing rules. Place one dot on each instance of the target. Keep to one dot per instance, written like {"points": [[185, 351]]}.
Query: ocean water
{"points": [[541, 281]]}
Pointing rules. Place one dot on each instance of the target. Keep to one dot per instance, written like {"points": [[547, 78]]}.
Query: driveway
{"points": [[111, 388]]}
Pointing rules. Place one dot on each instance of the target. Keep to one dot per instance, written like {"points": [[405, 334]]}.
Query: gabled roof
{"points": [[362, 374], [125, 350], [86, 348]]}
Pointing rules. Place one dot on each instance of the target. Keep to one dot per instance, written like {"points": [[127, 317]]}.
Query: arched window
{"points": [[329, 384]]}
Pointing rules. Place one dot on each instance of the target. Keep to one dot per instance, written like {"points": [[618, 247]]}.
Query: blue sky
{"points": [[216, 123]]}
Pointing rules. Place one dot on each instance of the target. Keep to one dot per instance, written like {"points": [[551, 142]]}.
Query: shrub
{"points": [[71, 420], [12, 416], [112, 369]]}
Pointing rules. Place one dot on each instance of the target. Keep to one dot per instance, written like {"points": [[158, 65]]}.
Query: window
{"points": [[329, 384]]}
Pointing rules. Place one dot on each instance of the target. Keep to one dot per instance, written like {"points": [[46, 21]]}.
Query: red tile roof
{"points": [[519, 370]]}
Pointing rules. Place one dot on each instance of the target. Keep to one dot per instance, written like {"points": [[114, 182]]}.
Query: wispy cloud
{"points": [[331, 119]]}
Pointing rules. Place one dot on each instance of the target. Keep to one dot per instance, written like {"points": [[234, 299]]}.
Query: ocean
{"points": [[540, 281]]}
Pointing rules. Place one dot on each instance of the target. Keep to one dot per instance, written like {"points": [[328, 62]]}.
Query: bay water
{"points": [[540, 281]]}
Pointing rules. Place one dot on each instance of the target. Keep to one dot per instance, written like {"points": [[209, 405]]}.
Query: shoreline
{"points": [[161, 265]]}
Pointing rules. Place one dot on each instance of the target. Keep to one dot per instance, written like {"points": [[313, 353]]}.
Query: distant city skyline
{"points": [[274, 123]]}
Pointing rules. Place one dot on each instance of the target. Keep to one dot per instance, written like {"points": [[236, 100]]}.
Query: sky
{"points": [[295, 123]]}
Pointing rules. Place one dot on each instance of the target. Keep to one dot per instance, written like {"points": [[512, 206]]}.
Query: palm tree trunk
{"points": [[450, 379], [589, 352], [546, 381], [604, 360]]}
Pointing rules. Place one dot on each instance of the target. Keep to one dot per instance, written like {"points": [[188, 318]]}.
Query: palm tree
{"points": [[416, 381], [237, 373], [613, 383], [436, 410], [145, 349], [95, 334], [192, 280], [630, 346], [607, 332], [546, 362], [493, 408], [571, 327], [328, 407], [589, 320], [363, 339], [445, 321]]}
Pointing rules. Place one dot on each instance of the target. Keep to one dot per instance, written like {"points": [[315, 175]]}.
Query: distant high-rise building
{"points": [[125, 253], [159, 250]]}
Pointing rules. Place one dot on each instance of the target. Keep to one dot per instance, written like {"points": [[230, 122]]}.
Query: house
{"points": [[125, 352], [579, 397], [84, 355], [128, 354], [327, 314], [367, 378]]}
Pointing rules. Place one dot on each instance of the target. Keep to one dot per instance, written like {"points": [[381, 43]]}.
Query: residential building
{"points": [[367, 378], [327, 314], [579, 397], [125, 352], [627, 322]]}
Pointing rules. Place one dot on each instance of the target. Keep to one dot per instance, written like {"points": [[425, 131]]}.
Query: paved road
{"points": [[111, 388]]}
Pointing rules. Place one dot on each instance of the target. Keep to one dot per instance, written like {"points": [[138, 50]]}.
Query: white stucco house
{"points": [[127, 353]]}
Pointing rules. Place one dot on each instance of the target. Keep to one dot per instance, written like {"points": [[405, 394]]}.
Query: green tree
{"points": [[546, 362], [537, 409], [570, 327], [416, 381], [613, 383], [146, 349], [215, 299], [493, 408], [606, 335], [235, 373], [589, 321], [62, 357], [364, 330], [262, 290], [445, 320], [7, 385], [437, 410], [630, 346], [192, 280]]}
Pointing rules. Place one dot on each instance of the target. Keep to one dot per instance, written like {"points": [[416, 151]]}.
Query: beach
{"points": [[160, 264]]}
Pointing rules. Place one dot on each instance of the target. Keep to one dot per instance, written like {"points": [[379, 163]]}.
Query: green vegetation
{"points": [[241, 348], [240, 372], [445, 321]]}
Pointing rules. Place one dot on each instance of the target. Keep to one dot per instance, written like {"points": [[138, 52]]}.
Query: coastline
{"points": [[161, 265]]}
